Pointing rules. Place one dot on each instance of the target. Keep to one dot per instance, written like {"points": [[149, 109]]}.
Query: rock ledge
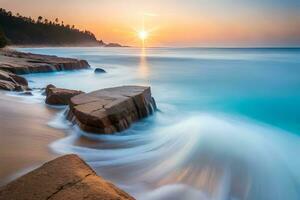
{"points": [[24, 63], [14, 62]]}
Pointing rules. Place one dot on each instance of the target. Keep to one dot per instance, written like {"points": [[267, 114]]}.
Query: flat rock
{"points": [[14, 62], [111, 110], [60, 96], [24, 63], [65, 178]]}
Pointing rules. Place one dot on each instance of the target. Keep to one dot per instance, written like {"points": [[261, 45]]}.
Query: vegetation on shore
{"points": [[3, 40], [20, 30]]}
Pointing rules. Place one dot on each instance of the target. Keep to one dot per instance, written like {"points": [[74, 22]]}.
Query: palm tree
{"points": [[56, 20]]}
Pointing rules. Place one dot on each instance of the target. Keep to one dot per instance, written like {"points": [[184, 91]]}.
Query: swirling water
{"points": [[227, 127]]}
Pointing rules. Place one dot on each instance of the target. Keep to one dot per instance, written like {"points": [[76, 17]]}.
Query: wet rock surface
{"points": [[13, 63], [47, 89], [99, 70], [67, 177], [12, 82], [111, 110], [59, 96], [24, 63]]}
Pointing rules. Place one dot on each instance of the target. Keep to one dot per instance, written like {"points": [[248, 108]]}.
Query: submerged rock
{"points": [[111, 110], [99, 70], [59, 96], [27, 93], [67, 177]]}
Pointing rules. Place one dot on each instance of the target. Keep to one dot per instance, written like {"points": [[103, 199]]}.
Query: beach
{"points": [[219, 133], [149, 100], [25, 136]]}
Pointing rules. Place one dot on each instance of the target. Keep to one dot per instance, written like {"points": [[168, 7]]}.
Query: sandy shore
{"points": [[24, 136]]}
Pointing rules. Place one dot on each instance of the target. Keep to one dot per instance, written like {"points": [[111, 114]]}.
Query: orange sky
{"points": [[176, 22]]}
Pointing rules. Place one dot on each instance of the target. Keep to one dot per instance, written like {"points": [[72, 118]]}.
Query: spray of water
{"points": [[201, 157]]}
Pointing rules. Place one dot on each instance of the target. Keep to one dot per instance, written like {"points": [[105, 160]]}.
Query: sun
{"points": [[143, 35]]}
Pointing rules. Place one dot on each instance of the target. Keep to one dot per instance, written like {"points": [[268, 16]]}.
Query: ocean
{"points": [[227, 125]]}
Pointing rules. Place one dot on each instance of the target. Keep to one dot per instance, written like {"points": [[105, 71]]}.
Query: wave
{"points": [[204, 156], [180, 155]]}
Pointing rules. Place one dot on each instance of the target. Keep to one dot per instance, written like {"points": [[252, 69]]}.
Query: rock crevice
{"points": [[70, 184]]}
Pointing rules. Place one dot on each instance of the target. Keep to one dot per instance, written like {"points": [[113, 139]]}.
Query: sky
{"points": [[179, 23]]}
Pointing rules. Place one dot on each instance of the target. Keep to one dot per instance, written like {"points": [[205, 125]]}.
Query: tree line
{"points": [[20, 30]]}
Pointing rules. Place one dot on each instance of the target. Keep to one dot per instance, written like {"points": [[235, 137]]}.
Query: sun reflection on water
{"points": [[143, 69]]}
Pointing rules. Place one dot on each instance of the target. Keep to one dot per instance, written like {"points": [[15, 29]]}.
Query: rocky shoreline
{"points": [[66, 177], [104, 111], [14, 63]]}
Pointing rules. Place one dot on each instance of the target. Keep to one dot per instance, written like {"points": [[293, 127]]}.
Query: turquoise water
{"points": [[228, 126]]}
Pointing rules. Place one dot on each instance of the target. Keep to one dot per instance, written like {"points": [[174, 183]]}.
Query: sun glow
{"points": [[143, 35]]}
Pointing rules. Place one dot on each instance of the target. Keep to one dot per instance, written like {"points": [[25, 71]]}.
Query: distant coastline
{"points": [[21, 31], [12, 46]]}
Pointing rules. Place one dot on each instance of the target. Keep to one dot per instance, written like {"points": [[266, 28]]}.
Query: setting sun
{"points": [[193, 99], [143, 35]]}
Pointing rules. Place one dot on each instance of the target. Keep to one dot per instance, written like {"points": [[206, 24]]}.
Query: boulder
{"points": [[65, 178], [99, 70], [59, 96], [12, 82], [19, 79], [7, 85], [111, 110], [47, 90]]}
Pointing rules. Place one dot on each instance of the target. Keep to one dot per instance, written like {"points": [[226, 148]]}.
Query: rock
{"points": [[113, 45], [7, 85], [65, 178], [27, 93], [24, 63], [12, 82], [99, 70], [59, 96], [14, 62], [47, 90], [18, 79], [111, 110]]}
